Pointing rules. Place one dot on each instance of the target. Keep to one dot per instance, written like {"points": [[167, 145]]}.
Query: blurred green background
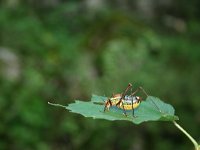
{"points": [[59, 51]]}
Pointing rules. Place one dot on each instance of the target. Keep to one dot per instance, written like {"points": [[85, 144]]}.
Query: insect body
{"points": [[125, 102], [128, 103]]}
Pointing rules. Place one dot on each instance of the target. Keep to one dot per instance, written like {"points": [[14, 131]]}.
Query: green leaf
{"points": [[98, 99], [152, 109]]}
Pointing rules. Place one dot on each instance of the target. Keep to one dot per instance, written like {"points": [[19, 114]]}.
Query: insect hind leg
{"points": [[124, 109], [141, 89]]}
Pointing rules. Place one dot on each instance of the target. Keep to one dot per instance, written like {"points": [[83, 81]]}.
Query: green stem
{"points": [[57, 105], [197, 147]]}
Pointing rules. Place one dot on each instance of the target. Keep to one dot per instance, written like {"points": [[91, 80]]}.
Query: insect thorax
{"points": [[131, 99], [115, 100]]}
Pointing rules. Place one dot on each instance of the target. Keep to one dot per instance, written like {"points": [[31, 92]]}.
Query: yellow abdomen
{"points": [[129, 106]]}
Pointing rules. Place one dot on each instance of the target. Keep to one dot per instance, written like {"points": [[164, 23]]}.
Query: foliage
{"points": [[152, 109]]}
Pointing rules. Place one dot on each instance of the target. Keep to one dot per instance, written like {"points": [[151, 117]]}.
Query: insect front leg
{"points": [[108, 104]]}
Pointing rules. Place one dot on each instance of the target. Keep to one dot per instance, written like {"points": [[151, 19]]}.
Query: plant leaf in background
{"points": [[152, 109]]}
